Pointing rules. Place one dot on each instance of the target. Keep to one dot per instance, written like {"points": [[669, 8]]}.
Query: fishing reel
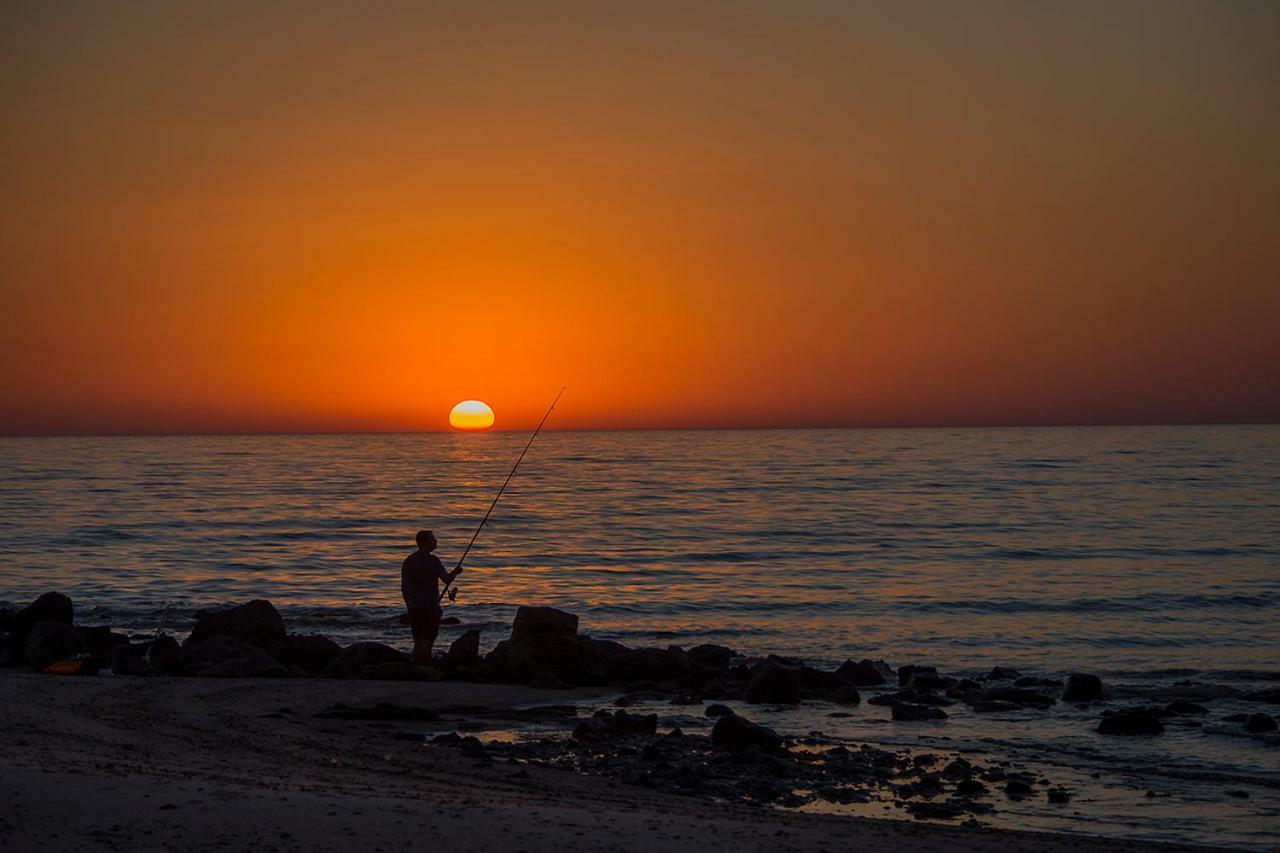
{"points": [[453, 594]]}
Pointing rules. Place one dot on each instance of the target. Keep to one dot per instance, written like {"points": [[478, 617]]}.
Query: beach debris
{"points": [[1133, 722], [1082, 687]]}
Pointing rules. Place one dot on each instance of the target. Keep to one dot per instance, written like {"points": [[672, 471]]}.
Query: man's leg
{"points": [[421, 645]]}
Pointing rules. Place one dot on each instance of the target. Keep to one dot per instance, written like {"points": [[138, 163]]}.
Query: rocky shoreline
{"points": [[739, 759]]}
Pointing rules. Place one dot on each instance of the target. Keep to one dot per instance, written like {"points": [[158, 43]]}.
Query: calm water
{"points": [[1147, 555]]}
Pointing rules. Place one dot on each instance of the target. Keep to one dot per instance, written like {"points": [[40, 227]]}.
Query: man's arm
{"points": [[445, 575]]}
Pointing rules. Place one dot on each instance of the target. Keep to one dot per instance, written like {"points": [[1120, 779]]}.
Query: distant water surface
{"points": [[1147, 554]]}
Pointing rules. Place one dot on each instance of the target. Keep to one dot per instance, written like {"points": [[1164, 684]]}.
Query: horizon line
{"points": [[747, 428]]}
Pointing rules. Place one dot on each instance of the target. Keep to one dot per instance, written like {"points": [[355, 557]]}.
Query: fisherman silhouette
{"points": [[420, 575]]}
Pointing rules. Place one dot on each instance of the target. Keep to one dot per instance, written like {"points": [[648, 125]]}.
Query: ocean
{"points": [[1147, 555]]}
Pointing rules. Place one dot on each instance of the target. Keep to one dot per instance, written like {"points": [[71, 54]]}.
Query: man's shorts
{"points": [[425, 622]]}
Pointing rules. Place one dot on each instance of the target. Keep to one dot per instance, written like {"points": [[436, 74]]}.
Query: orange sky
{"points": [[333, 216]]}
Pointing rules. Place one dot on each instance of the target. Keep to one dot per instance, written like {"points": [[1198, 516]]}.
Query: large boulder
{"points": [[865, 672], [312, 652], [1129, 723], [1082, 687], [735, 732], [252, 662], [530, 621], [647, 664], [255, 622], [50, 607], [464, 652], [909, 712], [358, 658], [50, 642], [711, 656], [773, 685]]}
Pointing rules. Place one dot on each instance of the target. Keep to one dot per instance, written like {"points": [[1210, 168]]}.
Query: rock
{"points": [[1129, 724], [251, 663], [100, 639], [847, 695], [922, 678], [635, 724], [647, 664], [1258, 723], [711, 656], [464, 652], [1017, 789], [50, 607], [531, 621], [50, 642], [971, 788], [865, 672], [312, 652], [773, 685], [1020, 696], [717, 710], [934, 811], [207, 653], [905, 712], [355, 659], [257, 621], [1002, 673], [1181, 706], [1270, 695], [735, 732], [1082, 687], [994, 707], [1059, 796]]}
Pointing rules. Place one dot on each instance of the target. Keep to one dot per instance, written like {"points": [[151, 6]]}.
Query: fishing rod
{"points": [[453, 594]]}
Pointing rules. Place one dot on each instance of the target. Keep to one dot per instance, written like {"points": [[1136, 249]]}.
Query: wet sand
{"points": [[141, 764]]}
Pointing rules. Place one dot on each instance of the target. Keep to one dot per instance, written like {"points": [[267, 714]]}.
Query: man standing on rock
{"points": [[420, 575]]}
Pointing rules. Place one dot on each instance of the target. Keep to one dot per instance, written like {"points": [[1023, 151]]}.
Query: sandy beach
{"points": [[204, 764]]}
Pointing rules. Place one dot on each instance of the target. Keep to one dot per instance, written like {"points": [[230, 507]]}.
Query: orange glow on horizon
{"points": [[471, 415]]}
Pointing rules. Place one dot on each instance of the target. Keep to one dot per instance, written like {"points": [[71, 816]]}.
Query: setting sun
{"points": [[471, 414]]}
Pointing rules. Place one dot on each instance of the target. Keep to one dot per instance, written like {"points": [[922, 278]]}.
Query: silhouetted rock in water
{"points": [[257, 621], [251, 662], [607, 724], [1036, 681], [1082, 687], [1258, 723], [647, 664], [50, 607], [1019, 789], [1130, 723], [865, 672], [50, 642], [1058, 796], [994, 707], [912, 695], [847, 695], [923, 677], [711, 656], [359, 659], [735, 732], [1003, 673], [1270, 695], [464, 652], [380, 711], [531, 621], [717, 710], [1183, 707], [161, 656], [905, 712], [1020, 696], [773, 685], [312, 652]]}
